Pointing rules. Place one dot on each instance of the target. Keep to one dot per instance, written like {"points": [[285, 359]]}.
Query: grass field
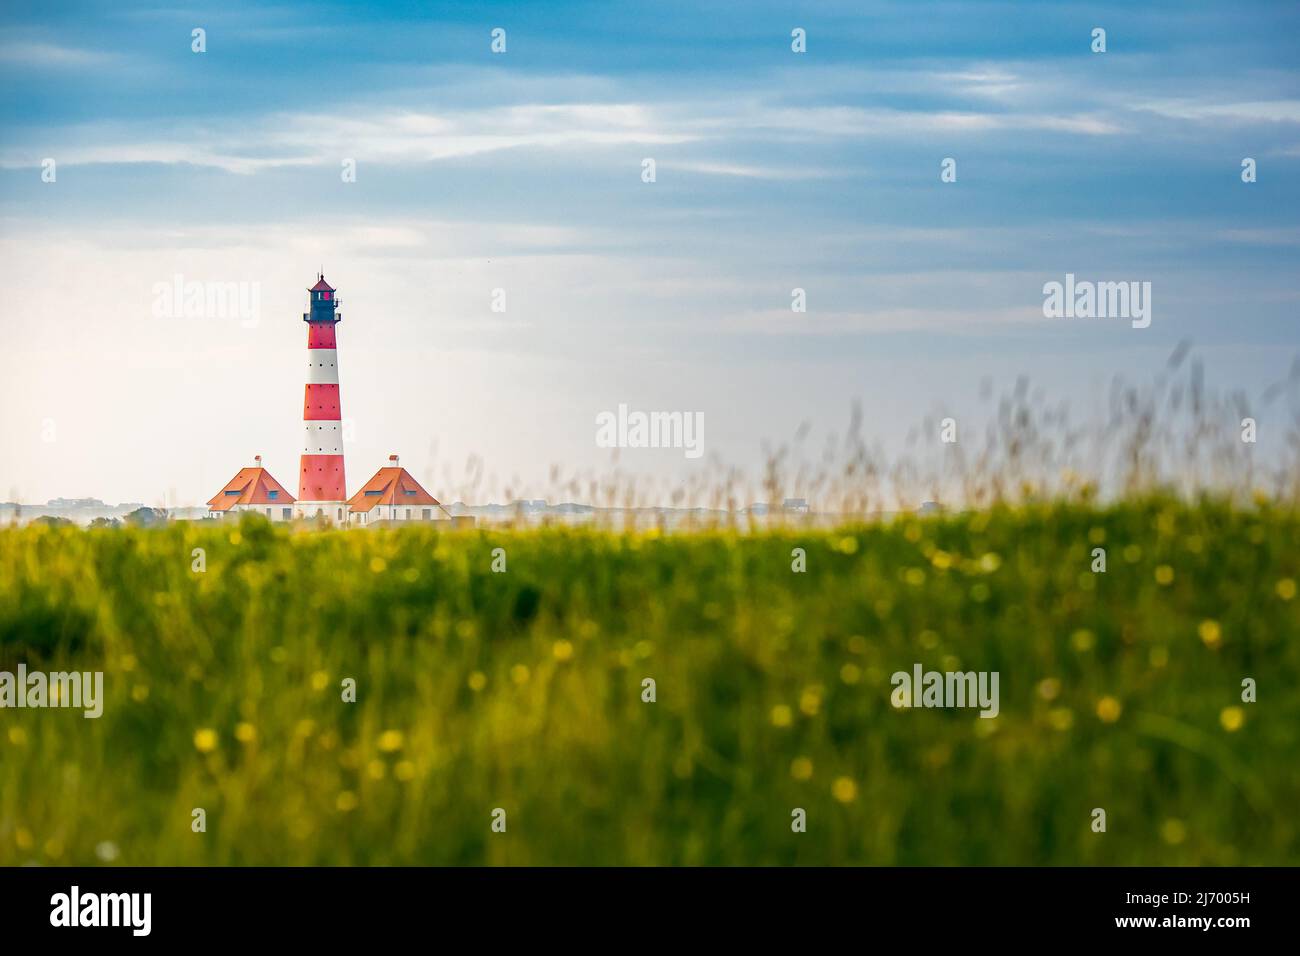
{"points": [[522, 690]]}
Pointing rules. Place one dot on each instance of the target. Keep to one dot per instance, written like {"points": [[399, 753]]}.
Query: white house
{"points": [[253, 489]]}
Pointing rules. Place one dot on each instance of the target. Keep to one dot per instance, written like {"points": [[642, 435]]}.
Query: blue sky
{"points": [[522, 171]]}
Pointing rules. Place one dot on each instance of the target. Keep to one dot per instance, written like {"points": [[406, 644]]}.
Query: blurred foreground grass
{"points": [[522, 690]]}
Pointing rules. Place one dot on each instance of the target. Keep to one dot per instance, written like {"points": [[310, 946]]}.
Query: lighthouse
{"points": [[321, 488]]}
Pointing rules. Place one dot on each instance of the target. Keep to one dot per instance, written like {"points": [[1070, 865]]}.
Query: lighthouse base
{"points": [[335, 512]]}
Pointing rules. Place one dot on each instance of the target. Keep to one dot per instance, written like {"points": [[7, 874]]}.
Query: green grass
{"points": [[522, 690]]}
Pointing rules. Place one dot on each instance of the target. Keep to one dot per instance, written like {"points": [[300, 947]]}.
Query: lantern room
{"points": [[324, 305]]}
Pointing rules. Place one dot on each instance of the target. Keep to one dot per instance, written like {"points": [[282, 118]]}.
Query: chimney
{"points": [[257, 461], [392, 461]]}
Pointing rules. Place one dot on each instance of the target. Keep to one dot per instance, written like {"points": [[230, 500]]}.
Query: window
{"points": [[286, 513], [268, 512], [235, 493], [340, 514], [408, 514], [369, 493], [273, 495], [427, 514]]}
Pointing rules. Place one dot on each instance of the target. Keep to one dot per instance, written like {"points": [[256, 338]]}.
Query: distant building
{"points": [[796, 505], [75, 503], [253, 489], [393, 495], [525, 504]]}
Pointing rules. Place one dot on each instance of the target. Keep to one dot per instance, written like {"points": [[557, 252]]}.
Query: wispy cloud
{"points": [[35, 54], [1204, 111], [394, 136], [746, 171], [404, 136]]}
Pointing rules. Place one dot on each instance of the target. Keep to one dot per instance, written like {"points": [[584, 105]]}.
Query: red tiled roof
{"points": [[252, 485], [393, 486], [321, 286]]}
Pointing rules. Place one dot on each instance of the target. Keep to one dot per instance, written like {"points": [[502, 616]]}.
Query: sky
{"points": [[523, 171]]}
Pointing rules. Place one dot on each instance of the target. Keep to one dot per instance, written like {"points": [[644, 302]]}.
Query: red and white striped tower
{"points": [[321, 487]]}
